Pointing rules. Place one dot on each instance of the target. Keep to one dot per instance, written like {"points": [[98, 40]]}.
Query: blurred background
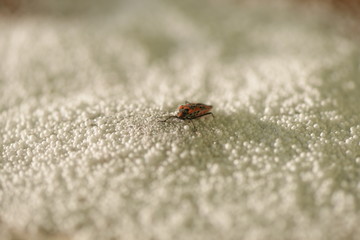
{"points": [[65, 8], [76, 73]]}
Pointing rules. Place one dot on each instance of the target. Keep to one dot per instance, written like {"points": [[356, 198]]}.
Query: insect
{"points": [[191, 111]]}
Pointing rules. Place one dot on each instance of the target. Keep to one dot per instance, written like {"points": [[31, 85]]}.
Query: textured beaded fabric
{"points": [[83, 155]]}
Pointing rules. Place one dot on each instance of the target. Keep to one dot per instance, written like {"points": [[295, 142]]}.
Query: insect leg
{"points": [[204, 115], [168, 118], [193, 125]]}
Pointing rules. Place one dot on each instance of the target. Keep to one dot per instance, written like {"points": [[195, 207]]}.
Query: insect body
{"points": [[191, 111]]}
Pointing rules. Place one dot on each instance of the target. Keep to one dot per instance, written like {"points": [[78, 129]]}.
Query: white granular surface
{"points": [[83, 156]]}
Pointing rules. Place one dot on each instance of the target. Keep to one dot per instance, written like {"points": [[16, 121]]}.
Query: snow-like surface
{"points": [[83, 155]]}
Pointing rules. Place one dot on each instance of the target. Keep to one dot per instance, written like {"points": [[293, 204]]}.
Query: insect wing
{"points": [[194, 110]]}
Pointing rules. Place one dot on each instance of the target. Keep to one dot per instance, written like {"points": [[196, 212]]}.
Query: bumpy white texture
{"points": [[83, 156]]}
